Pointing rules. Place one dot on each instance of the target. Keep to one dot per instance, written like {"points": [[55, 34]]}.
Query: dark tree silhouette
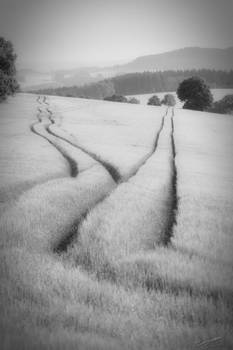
{"points": [[169, 100], [195, 93], [8, 82], [154, 101]]}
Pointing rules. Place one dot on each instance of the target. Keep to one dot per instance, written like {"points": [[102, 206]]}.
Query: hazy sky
{"points": [[68, 33]]}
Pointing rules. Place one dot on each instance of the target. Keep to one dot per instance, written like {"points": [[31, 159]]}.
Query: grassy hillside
{"points": [[116, 226]]}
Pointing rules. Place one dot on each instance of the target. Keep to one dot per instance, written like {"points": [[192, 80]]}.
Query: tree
{"points": [[224, 106], [8, 82], [133, 100], [154, 101], [116, 98], [195, 93], [169, 100]]}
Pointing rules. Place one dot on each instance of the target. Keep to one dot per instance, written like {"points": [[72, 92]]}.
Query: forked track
{"points": [[48, 132], [138, 215], [109, 167], [62, 247], [58, 204], [40, 128]]}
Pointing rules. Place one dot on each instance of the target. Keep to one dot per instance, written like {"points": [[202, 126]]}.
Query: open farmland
{"points": [[116, 226]]}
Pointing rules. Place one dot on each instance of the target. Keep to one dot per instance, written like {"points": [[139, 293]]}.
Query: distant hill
{"points": [[182, 59]]}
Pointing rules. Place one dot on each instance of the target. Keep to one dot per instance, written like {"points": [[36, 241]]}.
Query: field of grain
{"points": [[116, 226]]}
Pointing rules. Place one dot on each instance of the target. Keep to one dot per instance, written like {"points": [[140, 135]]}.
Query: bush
{"points": [[8, 82], [133, 100], [224, 106], [116, 98], [154, 101], [195, 93], [169, 100]]}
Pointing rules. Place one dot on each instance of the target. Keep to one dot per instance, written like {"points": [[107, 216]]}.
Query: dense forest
{"points": [[142, 83]]}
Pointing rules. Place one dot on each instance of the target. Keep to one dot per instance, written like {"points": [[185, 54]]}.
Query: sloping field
{"points": [[123, 239]]}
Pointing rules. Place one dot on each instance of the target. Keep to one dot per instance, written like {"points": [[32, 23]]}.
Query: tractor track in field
{"points": [[40, 128], [110, 168], [155, 145], [174, 179], [64, 244], [111, 272], [172, 213], [146, 291], [71, 139], [162, 231], [78, 193], [72, 217], [45, 124]]}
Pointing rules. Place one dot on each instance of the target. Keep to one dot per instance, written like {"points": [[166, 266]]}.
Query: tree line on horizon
{"points": [[142, 83]]}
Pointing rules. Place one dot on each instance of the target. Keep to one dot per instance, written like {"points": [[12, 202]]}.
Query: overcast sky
{"points": [[68, 33]]}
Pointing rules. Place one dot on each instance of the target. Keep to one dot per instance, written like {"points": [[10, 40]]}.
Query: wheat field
{"points": [[116, 226]]}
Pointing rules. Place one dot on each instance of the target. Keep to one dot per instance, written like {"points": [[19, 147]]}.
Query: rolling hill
{"points": [[190, 58], [183, 59]]}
